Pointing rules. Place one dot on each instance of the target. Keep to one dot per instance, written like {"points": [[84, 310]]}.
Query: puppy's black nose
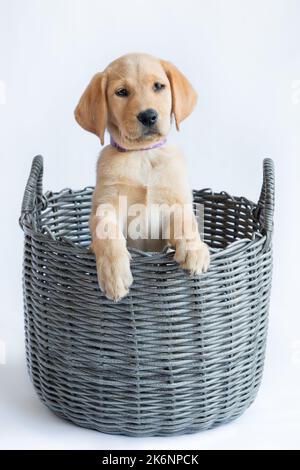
{"points": [[148, 118]]}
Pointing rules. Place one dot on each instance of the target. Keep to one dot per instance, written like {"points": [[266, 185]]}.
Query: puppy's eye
{"points": [[122, 92], [158, 86]]}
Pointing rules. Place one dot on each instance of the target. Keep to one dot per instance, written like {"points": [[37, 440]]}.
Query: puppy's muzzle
{"points": [[148, 117]]}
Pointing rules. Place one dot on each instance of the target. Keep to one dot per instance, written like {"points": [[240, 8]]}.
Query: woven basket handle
{"points": [[34, 186], [265, 206]]}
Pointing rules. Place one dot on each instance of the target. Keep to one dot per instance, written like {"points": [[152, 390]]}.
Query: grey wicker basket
{"points": [[178, 354]]}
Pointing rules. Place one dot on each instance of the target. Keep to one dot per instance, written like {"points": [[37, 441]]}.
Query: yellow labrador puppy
{"points": [[134, 98]]}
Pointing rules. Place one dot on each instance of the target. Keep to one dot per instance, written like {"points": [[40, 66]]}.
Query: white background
{"points": [[243, 58]]}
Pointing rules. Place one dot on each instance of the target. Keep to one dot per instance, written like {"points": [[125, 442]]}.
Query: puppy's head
{"points": [[135, 98]]}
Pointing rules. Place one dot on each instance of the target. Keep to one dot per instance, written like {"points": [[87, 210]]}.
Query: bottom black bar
{"points": [[107, 458]]}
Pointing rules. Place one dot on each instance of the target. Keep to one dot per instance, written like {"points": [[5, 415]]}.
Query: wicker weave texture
{"points": [[178, 354]]}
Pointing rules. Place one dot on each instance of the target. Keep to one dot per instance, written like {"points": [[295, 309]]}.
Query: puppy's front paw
{"points": [[114, 276], [192, 256]]}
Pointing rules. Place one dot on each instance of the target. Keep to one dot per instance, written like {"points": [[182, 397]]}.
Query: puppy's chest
{"points": [[146, 183]]}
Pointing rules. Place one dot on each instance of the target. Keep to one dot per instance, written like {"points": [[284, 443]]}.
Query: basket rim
{"points": [[263, 210], [77, 249]]}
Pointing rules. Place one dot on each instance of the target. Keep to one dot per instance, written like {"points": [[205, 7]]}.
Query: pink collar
{"points": [[122, 149]]}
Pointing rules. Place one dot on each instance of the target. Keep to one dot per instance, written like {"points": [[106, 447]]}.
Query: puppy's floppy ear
{"points": [[184, 97], [91, 111]]}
